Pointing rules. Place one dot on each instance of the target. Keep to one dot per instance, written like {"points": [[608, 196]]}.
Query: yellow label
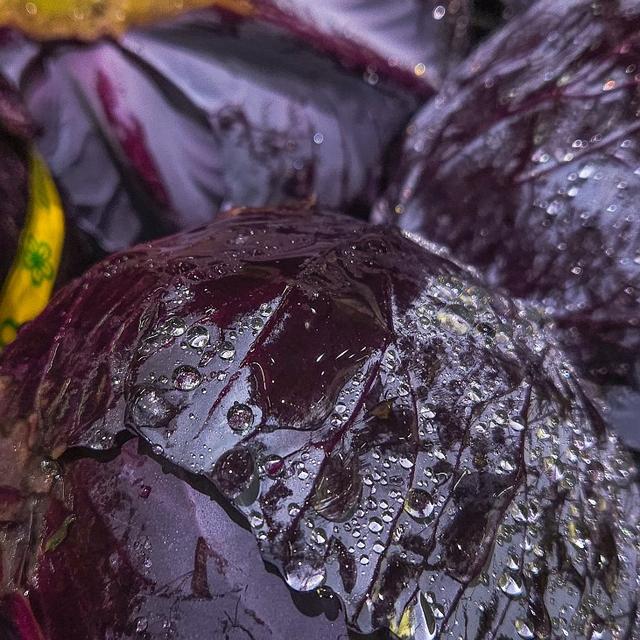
{"points": [[30, 281], [89, 19]]}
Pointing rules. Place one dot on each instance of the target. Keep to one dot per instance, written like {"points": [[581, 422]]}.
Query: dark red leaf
{"points": [[16, 619]]}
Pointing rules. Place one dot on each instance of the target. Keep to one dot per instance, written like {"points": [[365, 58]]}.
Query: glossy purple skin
{"points": [[527, 166], [15, 133], [174, 123], [442, 466]]}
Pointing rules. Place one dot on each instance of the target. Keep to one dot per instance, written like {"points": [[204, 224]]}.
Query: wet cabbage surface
{"points": [[410, 450]]}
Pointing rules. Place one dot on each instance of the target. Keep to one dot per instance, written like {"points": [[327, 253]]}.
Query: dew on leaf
{"points": [[186, 378], [240, 417], [419, 504]]}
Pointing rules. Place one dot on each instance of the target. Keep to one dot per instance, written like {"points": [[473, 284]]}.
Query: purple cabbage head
{"points": [[527, 166], [412, 453]]}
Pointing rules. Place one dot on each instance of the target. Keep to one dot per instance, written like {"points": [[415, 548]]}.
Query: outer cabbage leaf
{"points": [[415, 43], [179, 121], [390, 429], [527, 165]]}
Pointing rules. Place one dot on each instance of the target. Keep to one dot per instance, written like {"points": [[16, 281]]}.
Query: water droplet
{"points": [[150, 409], [419, 504], [429, 616], [506, 465], [453, 322], [240, 417], [145, 491], [319, 536], [273, 466], [256, 520], [305, 574], [523, 629], [234, 471], [578, 535], [186, 378], [338, 488], [510, 584], [376, 525], [378, 546], [371, 77], [513, 562], [197, 337], [439, 12], [141, 624], [174, 326], [586, 172], [227, 350], [424, 312]]}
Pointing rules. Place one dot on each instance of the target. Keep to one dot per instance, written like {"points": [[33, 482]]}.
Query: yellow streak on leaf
{"points": [[58, 537]]}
